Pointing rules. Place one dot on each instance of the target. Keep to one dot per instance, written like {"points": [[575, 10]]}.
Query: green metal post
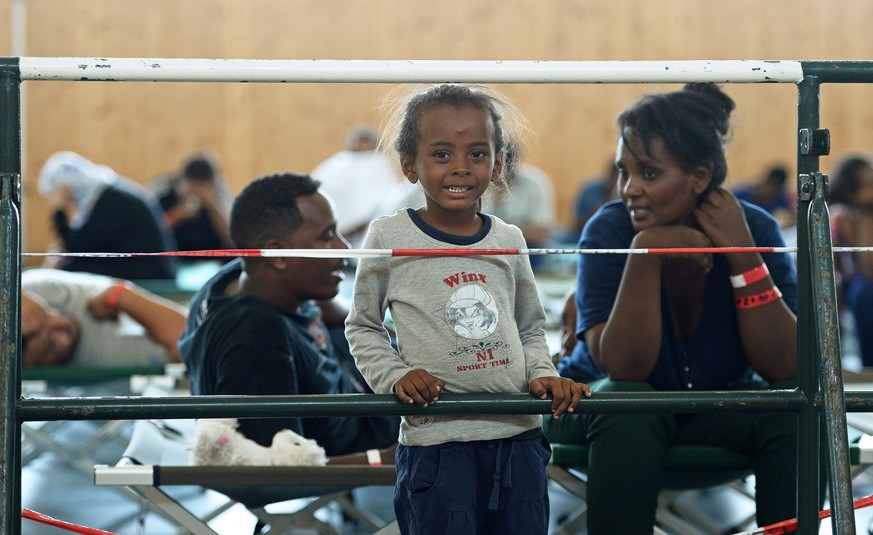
{"points": [[817, 256], [831, 373], [10, 295], [809, 446]]}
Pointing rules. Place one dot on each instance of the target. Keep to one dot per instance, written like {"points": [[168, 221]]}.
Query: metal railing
{"points": [[818, 399]]}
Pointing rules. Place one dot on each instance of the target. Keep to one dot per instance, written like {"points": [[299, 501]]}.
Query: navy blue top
{"points": [[713, 358], [239, 345], [781, 202], [122, 221]]}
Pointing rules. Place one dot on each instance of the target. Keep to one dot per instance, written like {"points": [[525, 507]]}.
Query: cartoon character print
{"points": [[420, 421], [472, 313]]}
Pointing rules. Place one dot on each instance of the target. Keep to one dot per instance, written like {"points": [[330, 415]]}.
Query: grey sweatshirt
{"points": [[474, 321]]}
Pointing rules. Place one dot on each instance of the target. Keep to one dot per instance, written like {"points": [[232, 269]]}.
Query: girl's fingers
{"points": [[409, 394]]}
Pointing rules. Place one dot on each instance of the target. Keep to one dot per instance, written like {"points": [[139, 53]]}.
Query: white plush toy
{"points": [[218, 443]]}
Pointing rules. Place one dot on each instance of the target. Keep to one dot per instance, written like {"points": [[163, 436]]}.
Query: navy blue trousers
{"points": [[479, 487]]}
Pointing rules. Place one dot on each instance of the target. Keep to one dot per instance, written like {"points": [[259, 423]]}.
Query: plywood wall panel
{"points": [[145, 129]]}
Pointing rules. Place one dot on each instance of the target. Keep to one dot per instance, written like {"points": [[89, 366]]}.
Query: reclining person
{"points": [[255, 329], [84, 319]]}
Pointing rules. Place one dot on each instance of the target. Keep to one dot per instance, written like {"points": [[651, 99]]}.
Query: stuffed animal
{"points": [[218, 443]]}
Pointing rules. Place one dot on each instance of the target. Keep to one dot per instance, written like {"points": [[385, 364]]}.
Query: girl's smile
{"points": [[459, 189]]}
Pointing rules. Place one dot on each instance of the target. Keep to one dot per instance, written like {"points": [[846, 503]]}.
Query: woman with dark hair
{"points": [[682, 322], [850, 198]]}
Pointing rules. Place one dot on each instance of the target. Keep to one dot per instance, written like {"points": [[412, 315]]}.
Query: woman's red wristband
{"points": [[114, 296], [750, 277], [752, 301]]}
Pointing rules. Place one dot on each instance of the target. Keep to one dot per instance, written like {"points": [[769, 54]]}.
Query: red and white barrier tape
{"points": [[368, 253], [790, 526], [45, 519]]}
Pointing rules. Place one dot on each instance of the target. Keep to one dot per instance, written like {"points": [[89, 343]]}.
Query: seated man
{"points": [[83, 319], [196, 203], [255, 329]]}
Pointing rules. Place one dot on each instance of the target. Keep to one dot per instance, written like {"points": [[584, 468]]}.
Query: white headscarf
{"points": [[86, 179]]}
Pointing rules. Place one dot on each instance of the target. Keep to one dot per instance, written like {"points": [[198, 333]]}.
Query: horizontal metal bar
{"points": [[212, 476], [859, 401], [83, 375], [134, 408], [839, 71], [405, 71], [313, 476], [132, 474]]}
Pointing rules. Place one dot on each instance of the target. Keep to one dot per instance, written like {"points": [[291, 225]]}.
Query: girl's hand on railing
{"points": [[566, 393], [419, 387]]}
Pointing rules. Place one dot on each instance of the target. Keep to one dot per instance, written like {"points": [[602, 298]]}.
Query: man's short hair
{"points": [[267, 209]]}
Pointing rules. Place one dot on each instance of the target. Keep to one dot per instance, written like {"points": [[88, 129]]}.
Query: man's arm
{"points": [[163, 320]]}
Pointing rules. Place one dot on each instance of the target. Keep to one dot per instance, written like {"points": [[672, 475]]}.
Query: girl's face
{"points": [[455, 161], [656, 189]]}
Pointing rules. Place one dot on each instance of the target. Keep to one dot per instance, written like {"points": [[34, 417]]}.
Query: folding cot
{"points": [[158, 456], [75, 381]]}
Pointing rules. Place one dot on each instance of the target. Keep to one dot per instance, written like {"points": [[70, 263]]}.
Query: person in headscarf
{"points": [[96, 210]]}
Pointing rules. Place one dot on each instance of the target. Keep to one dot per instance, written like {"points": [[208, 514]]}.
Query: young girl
{"points": [[463, 324]]}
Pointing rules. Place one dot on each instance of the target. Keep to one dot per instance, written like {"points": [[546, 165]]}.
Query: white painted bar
{"points": [[406, 71], [124, 475]]}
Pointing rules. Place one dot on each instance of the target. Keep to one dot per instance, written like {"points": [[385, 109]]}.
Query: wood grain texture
{"points": [[144, 129]]}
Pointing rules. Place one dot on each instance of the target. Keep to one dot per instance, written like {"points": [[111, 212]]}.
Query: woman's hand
{"points": [[722, 219], [676, 237]]}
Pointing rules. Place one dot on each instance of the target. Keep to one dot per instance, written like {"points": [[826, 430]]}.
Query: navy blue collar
{"points": [[452, 239]]}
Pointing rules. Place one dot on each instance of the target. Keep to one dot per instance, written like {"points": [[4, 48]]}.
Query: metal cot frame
{"points": [[819, 399]]}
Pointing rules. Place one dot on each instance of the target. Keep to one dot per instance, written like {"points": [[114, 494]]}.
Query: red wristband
{"points": [[752, 301], [115, 294], [750, 277]]}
